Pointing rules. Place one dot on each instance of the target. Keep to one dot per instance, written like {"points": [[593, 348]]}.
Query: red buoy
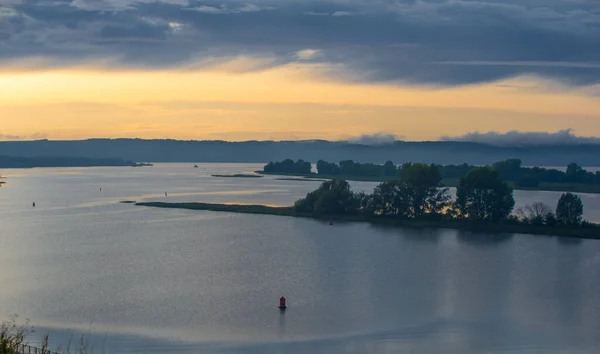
{"points": [[282, 303], [330, 222]]}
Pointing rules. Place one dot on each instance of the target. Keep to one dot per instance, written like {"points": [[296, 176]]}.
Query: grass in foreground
{"points": [[467, 225], [13, 340]]}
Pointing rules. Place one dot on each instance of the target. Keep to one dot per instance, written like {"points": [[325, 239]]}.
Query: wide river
{"points": [[137, 280]]}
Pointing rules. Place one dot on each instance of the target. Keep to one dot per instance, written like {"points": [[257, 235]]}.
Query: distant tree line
{"points": [[481, 195], [49, 161], [511, 170], [508, 170], [289, 166]]}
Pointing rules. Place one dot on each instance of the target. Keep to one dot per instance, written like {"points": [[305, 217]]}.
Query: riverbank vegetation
{"points": [[484, 202], [573, 179]]}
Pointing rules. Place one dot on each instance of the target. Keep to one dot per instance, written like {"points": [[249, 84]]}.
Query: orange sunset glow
{"points": [[290, 102], [235, 71]]}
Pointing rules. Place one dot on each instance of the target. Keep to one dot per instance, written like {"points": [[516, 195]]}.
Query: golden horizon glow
{"points": [[226, 101]]}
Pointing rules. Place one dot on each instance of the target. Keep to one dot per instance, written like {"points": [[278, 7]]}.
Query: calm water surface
{"points": [[138, 280]]}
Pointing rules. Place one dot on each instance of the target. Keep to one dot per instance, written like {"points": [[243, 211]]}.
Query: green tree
{"points": [[573, 169], [332, 197], [424, 194], [391, 199], [509, 170], [327, 168], [569, 209], [482, 195], [389, 169], [414, 195], [364, 203], [576, 174]]}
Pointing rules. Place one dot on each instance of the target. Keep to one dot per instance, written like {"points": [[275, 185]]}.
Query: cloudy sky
{"points": [[298, 69]]}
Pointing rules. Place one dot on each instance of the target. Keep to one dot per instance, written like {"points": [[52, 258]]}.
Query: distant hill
{"points": [[51, 161], [442, 152]]}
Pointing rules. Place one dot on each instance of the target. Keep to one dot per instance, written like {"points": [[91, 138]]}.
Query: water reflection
{"points": [[420, 234], [188, 281], [482, 239], [569, 240]]}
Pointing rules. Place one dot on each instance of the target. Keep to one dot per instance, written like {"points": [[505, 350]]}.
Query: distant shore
{"points": [[10, 162], [544, 186], [238, 175], [464, 225]]}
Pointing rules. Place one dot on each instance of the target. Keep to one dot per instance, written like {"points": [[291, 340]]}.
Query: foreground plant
{"points": [[13, 340], [12, 335]]}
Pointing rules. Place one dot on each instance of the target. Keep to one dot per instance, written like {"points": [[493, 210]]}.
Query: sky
{"points": [[300, 69]]}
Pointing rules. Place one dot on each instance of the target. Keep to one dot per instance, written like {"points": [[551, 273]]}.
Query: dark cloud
{"points": [[448, 42], [517, 138]]}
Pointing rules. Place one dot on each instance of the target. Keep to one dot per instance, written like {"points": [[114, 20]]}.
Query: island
{"points": [[483, 203], [44, 161], [573, 179]]}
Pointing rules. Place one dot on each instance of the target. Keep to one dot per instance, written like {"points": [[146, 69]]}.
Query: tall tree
{"points": [[414, 195], [423, 183], [327, 168], [389, 169], [391, 199], [482, 195], [509, 170], [332, 197], [569, 209], [576, 174], [573, 169]]}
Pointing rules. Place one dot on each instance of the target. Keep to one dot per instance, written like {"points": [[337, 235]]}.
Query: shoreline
{"points": [[452, 183], [463, 225], [238, 175]]}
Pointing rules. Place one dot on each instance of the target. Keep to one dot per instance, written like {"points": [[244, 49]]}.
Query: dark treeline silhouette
{"points": [[508, 170], [511, 170], [351, 168], [438, 152], [288, 166], [481, 196], [30, 162]]}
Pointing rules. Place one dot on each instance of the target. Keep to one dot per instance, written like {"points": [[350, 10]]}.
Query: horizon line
{"points": [[341, 141]]}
